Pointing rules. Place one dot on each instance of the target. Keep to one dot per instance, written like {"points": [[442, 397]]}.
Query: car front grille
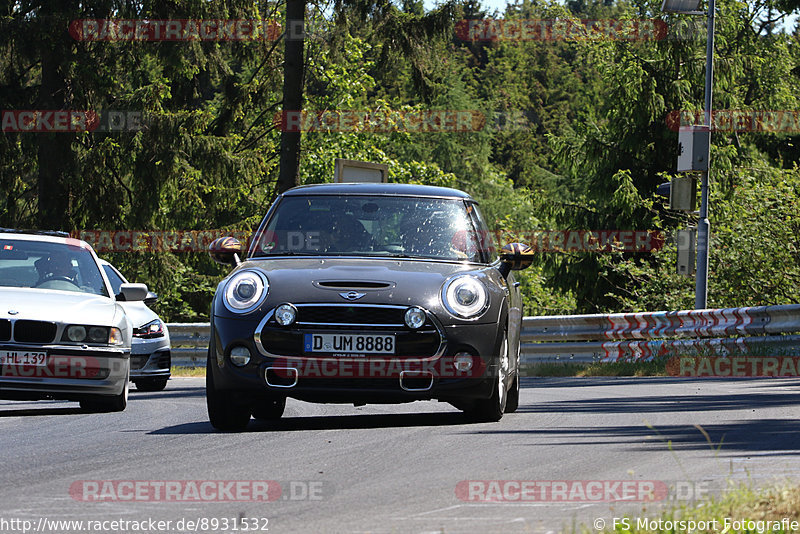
{"points": [[353, 315], [138, 361], [288, 341], [5, 330], [34, 331]]}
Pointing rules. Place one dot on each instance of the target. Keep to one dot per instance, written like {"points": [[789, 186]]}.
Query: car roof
{"points": [[42, 236], [412, 190]]}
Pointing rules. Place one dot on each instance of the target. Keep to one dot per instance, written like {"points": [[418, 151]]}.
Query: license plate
{"points": [[14, 357], [349, 343]]}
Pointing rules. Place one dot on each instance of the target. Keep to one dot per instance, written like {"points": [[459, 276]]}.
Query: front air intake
{"points": [[354, 284]]}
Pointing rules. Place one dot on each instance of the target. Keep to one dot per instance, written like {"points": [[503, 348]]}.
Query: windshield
{"points": [[370, 226], [114, 278], [46, 265]]}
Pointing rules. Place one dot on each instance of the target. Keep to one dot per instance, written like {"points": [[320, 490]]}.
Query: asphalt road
{"points": [[395, 468]]}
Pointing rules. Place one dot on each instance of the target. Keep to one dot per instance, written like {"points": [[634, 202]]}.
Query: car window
{"points": [[484, 236], [47, 265], [114, 278], [370, 226]]}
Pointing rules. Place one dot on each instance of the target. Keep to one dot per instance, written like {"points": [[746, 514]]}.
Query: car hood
{"points": [[57, 306], [307, 280], [139, 313]]}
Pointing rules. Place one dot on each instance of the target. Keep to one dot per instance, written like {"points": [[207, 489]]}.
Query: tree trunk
{"points": [[54, 154], [289, 173]]}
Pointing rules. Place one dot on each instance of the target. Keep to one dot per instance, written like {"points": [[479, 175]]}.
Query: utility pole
{"points": [[293, 70]]}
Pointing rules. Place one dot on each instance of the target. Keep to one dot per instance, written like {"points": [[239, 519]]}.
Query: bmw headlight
{"points": [[245, 291], [78, 333], [465, 296]]}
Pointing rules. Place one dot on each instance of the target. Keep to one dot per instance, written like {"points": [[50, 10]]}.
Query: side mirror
{"points": [[515, 257], [150, 299], [225, 250], [132, 292]]}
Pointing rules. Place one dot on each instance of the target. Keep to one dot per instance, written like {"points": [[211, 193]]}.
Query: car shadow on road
{"points": [[30, 412], [770, 437], [330, 422], [167, 393], [541, 382], [665, 403]]}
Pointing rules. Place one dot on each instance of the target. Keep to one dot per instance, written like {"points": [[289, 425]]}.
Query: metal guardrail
{"points": [[189, 343], [757, 330]]}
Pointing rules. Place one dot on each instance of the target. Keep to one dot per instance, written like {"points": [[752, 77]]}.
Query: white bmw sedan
{"points": [[63, 332]]}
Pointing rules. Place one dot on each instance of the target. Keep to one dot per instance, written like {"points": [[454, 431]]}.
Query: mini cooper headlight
{"points": [[285, 314], [415, 317], [465, 296], [245, 291]]}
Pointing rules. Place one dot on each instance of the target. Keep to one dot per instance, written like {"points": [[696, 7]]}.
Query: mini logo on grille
{"points": [[351, 295]]}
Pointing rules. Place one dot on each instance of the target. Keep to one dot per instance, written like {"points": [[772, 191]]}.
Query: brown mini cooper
{"points": [[365, 293]]}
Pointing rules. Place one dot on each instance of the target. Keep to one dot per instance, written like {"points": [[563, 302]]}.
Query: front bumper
{"points": [[374, 380], [150, 358], [71, 373]]}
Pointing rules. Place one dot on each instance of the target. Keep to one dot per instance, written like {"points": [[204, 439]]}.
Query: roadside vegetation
{"points": [[550, 369], [745, 509], [577, 136]]}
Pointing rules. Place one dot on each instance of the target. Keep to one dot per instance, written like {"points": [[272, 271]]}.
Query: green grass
{"points": [[650, 368], [740, 503], [188, 371]]}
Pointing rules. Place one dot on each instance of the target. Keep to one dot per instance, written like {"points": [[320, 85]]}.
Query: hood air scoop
{"points": [[354, 284]]}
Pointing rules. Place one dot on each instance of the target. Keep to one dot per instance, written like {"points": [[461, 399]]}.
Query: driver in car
{"points": [[57, 266]]}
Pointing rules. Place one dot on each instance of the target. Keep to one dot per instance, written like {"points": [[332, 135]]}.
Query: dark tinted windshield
{"points": [[370, 226], [47, 265], [114, 278]]}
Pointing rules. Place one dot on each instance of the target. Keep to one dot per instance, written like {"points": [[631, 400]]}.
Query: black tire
{"points": [[151, 384], [112, 403], [491, 410], [512, 401], [268, 408], [225, 412]]}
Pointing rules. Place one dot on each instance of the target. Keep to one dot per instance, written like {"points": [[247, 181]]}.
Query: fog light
{"points": [[285, 314], [415, 317], [462, 361], [240, 356], [76, 333]]}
